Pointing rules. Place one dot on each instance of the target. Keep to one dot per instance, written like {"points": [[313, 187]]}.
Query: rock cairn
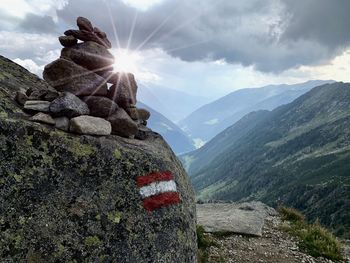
{"points": [[81, 101]]}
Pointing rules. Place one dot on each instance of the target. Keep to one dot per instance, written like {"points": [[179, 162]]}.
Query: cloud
{"points": [[33, 23], [270, 35]]}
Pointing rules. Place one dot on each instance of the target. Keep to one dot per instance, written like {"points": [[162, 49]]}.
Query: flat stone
{"points": [[43, 118], [122, 124], [100, 106], [84, 24], [144, 114], [21, 97], [123, 92], [62, 123], [68, 41], [89, 55], [68, 105], [65, 75], [85, 35], [90, 125], [37, 105], [240, 218]]}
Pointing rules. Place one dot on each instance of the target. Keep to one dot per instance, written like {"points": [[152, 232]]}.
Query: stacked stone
{"points": [[81, 101]]}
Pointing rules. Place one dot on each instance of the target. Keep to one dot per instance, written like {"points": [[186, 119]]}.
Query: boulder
{"points": [[69, 198], [62, 123], [143, 114], [241, 218], [68, 105], [143, 133], [43, 118], [90, 125], [122, 124], [123, 92], [65, 75], [68, 41], [89, 55], [84, 24], [37, 105], [100, 106]]}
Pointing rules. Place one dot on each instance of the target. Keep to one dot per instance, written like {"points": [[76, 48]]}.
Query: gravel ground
{"points": [[274, 246]]}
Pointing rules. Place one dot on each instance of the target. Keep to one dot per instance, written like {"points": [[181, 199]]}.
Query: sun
{"points": [[125, 61]]}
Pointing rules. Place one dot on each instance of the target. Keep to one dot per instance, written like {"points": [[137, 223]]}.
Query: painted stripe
{"points": [[161, 200], [157, 188], [153, 177]]}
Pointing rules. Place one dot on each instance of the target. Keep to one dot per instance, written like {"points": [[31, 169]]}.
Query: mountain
{"points": [[211, 119], [297, 154], [177, 139], [173, 104]]}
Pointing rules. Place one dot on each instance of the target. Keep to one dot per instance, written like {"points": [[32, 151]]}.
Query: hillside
{"points": [[298, 154], [211, 119], [166, 101], [177, 139]]}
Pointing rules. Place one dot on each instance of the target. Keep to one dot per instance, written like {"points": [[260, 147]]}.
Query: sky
{"points": [[202, 47]]}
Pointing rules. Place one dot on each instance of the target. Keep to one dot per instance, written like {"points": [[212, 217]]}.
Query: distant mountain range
{"points": [[297, 154], [175, 137], [211, 119], [173, 104]]}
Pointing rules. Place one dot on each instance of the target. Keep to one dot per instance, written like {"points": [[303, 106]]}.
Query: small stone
{"points": [[133, 112], [62, 123], [84, 35], [122, 124], [68, 41], [84, 24], [90, 125], [47, 95], [143, 133], [123, 92], [21, 97], [43, 118], [37, 105], [68, 105], [144, 114], [100, 106]]}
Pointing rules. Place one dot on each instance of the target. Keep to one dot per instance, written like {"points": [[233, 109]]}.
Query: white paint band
{"points": [[158, 188]]}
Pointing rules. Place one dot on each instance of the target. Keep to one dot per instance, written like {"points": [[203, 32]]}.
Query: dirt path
{"points": [[274, 246]]}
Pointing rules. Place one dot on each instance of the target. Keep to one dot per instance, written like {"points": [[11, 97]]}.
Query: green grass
{"points": [[314, 239], [290, 214], [204, 242]]}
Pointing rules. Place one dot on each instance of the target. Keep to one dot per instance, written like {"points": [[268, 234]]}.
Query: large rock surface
{"points": [[240, 218], [70, 198]]}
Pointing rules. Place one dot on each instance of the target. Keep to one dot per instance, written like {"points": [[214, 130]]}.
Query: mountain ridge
{"points": [[297, 154]]}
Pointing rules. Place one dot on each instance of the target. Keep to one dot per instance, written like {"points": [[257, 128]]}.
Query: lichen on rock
{"points": [[74, 198]]}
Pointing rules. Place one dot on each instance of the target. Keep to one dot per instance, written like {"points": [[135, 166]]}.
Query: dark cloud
{"points": [[271, 35], [33, 23]]}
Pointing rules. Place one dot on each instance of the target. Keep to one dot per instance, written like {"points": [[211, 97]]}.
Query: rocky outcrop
{"points": [[81, 198]]}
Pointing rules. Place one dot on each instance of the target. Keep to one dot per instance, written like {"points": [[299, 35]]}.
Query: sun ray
{"points": [[113, 25], [132, 30], [155, 31]]}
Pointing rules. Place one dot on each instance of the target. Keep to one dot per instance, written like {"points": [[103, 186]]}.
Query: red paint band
{"points": [[153, 177], [161, 200]]}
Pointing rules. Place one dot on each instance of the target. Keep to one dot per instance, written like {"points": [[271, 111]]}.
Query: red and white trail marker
{"points": [[158, 189]]}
